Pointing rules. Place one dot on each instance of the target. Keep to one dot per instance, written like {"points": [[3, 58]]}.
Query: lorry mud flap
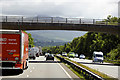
{"points": [[8, 72]]}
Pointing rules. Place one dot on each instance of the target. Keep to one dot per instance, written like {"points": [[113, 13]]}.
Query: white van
{"points": [[98, 56], [36, 50]]}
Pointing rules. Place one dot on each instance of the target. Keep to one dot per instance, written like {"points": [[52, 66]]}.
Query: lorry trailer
{"points": [[14, 50]]}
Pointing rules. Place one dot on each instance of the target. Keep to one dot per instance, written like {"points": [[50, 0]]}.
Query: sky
{"points": [[96, 9]]}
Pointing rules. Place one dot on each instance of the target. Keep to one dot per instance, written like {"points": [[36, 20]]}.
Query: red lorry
{"points": [[14, 50]]}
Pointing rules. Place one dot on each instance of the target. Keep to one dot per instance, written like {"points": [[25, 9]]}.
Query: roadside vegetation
{"points": [[31, 40], [111, 20], [90, 42]]}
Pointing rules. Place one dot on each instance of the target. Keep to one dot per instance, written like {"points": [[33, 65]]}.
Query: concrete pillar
{"points": [[119, 32]]}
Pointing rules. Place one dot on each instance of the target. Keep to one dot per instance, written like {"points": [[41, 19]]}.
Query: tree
{"points": [[31, 40]]}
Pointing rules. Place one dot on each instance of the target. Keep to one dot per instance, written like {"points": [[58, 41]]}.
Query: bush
{"points": [[114, 54]]}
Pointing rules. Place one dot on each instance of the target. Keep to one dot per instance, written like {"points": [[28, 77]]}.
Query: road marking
{"points": [[65, 71], [0, 78], [27, 75]]}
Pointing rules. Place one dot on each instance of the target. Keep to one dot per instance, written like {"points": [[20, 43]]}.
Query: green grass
{"points": [[114, 61], [75, 72]]}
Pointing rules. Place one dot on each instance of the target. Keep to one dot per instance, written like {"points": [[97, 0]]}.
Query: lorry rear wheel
{"points": [[23, 65], [26, 65], [37, 55], [34, 58]]}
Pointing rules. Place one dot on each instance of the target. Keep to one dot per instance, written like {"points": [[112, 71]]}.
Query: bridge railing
{"points": [[54, 20]]}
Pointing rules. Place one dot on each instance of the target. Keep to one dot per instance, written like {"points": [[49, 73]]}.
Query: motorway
{"points": [[106, 68], [40, 68]]}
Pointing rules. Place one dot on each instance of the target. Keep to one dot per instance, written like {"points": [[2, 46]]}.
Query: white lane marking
{"points": [[65, 71], [27, 75]]}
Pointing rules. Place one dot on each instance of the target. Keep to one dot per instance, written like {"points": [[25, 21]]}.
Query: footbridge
{"points": [[59, 23]]}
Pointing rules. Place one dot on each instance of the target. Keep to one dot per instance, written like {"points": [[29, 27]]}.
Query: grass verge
{"points": [[113, 61]]}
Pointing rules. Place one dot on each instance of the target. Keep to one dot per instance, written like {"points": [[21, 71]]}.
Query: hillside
{"points": [[54, 37]]}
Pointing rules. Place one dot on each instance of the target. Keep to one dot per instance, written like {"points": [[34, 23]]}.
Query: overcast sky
{"points": [[60, 8]]}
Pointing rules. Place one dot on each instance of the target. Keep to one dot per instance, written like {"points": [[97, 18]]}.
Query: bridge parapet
{"points": [[36, 19]]}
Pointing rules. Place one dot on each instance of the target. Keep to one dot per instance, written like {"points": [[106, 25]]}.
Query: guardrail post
{"points": [[37, 19], [6, 18], [22, 19], [93, 21], [66, 20], [106, 22], [51, 19], [45, 21], [80, 21], [18, 22]]}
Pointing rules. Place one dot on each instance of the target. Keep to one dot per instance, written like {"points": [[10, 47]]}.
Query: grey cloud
{"points": [[67, 9]]}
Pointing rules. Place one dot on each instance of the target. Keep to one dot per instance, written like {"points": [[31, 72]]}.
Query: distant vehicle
{"points": [[98, 56], [36, 50], [46, 54], [82, 56], [71, 54], [32, 54], [14, 54], [40, 50], [64, 54], [58, 54], [76, 55], [50, 57]]}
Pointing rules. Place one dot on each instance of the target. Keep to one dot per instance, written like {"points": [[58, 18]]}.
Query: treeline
{"points": [[52, 43], [31, 40], [111, 20], [90, 42]]}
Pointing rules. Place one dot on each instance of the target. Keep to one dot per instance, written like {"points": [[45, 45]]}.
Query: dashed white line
{"points": [[27, 75]]}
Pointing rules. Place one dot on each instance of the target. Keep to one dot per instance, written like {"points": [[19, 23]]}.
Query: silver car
{"points": [[82, 56]]}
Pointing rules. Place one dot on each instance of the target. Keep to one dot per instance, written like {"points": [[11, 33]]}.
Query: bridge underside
{"points": [[112, 29]]}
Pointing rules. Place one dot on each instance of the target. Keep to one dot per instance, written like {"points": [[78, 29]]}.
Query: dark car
{"points": [[50, 57]]}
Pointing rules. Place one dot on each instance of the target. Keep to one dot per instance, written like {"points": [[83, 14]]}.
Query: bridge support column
{"points": [[119, 29], [119, 32], [119, 35]]}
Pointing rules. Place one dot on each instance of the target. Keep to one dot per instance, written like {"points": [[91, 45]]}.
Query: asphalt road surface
{"points": [[107, 68], [42, 69]]}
